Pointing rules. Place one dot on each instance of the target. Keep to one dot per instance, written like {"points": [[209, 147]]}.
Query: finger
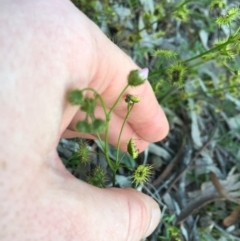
{"points": [[109, 79], [58, 206], [120, 214]]}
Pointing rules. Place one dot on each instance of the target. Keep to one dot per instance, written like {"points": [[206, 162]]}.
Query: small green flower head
{"points": [[227, 19], [98, 177], [137, 77], [98, 125], [75, 97], [83, 152], [142, 174], [217, 4], [176, 73], [132, 98]]}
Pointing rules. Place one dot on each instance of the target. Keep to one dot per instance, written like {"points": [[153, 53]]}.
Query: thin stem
{"points": [[107, 115], [214, 49], [101, 100], [130, 106], [118, 99], [208, 52], [100, 140]]}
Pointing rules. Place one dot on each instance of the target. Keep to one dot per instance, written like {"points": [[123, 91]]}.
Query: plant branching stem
{"points": [[118, 99], [107, 116]]}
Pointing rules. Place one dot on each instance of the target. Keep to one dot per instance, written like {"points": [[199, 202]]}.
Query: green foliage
{"points": [[217, 4], [182, 12], [227, 19], [172, 232], [164, 53]]}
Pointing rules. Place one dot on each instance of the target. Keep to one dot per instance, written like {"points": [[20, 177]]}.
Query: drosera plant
{"points": [[96, 126]]}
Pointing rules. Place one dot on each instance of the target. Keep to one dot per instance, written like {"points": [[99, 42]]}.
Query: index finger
{"points": [[147, 118], [110, 69]]}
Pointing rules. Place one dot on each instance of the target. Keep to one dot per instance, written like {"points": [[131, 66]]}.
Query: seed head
{"points": [[75, 97]]}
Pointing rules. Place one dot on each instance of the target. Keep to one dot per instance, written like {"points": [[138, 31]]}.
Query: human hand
{"points": [[47, 48]]}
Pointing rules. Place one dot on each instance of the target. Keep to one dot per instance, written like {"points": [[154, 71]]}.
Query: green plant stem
{"points": [[130, 106], [101, 100], [107, 130], [170, 92], [107, 115], [214, 49], [118, 99]]}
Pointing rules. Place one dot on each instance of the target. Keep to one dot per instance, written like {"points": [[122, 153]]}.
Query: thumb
{"points": [[137, 214], [113, 213]]}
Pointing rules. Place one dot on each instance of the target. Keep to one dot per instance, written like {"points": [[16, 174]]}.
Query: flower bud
{"points": [[132, 98], [83, 126], [75, 97], [98, 125], [137, 77], [88, 105]]}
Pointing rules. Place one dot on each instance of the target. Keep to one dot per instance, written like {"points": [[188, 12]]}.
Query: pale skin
{"points": [[47, 48]]}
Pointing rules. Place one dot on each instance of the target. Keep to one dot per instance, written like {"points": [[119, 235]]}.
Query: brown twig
{"points": [[190, 163], [196, 204], [170, 166]]}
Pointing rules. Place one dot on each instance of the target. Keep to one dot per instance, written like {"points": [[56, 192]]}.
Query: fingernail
{"points": [[155, 219]]}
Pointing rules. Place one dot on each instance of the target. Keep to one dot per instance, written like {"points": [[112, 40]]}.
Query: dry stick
{"points": [[204, 199], [196, 204], [191, 162], [170, 166], [221, 190]]}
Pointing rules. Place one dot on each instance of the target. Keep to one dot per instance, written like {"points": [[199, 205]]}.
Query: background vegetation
{"points": [[192, 50]]}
